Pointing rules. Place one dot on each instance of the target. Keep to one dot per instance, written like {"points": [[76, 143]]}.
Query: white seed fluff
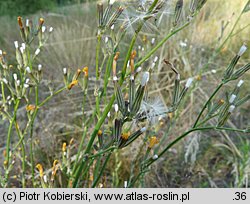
{"points": [[51, 29], [155, 157], [43, 29], [15, 76], [240, 83], [116, 108], [39, 67], [16, 44], [64, 70], [232, 98], [189, 82], [37, 51], [242, 50], [125, 184], [231, 108], [145, 78], [28, 70]]}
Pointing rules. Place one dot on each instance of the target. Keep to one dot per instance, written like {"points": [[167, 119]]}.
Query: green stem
{"points": [[9, 137], [175, 141], [101, 171], [208, 101], [49, 97]]}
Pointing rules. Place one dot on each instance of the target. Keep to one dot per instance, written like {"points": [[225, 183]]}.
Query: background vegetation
{"points": [[204, 159]]}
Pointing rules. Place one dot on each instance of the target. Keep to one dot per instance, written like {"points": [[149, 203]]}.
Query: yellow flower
{"points": [[99, 133], [55, 167], [153, 141], [41, 21], [125, 136], [73, 83], [40, 169], [64, 146], [85, 70], [30, 107]]}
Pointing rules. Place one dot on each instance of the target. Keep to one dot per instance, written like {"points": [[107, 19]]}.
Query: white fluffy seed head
{"points": [[155, 157], [231, 108], [125, 184], [116, 108], [132, 78], [156, 59], [15, 76], [1, 52], [145, 78], [232, 98], [27, 80], [37, 51], [18, 82], [27, 22], [45, 179], [240, 83], [39, 67], [22, 50], [139, 47], [16, 44], [189, 82], [28, 70], [138, 69], [115, 78], [153, 41], [51, 29], [23, 46], [106, 39], [111, 2], [64, 70], [5, 81], [26, 86], [242, 50], [112, 27], [153, 65], [43, 29], [213, 71], [142, 49], [143, 129], [109, 114]]}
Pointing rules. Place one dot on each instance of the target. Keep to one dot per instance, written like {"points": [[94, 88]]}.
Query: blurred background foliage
{"points": [[24, 7]]}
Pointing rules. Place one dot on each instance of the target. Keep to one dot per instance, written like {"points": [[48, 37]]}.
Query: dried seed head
{"points": [[19, 20], [153, 141], [16, 44], [40, 169], [231, 108], [242, 50], [232, 98], [221, 101], [145, 78], [189, 82], [240, 83]]}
